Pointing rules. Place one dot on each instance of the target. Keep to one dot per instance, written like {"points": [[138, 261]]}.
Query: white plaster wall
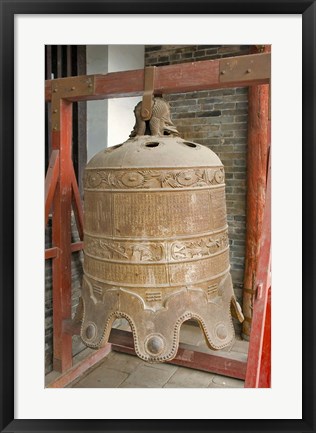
{"points": [[120, 110], [110, 122], [97, 111]]}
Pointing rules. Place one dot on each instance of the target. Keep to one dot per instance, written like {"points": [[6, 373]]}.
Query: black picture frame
{"points": [[7, 12]]}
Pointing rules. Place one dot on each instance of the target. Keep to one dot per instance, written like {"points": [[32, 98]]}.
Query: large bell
{"points": [[156, 248]]}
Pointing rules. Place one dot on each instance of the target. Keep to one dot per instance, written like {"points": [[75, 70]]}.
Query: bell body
{"points": [[156, 248]]}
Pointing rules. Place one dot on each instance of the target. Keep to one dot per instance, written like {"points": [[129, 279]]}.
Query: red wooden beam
{"points": [[185, 77], [51, 253], [258, 366], [187, 356], [51, 181], [77, 246]]}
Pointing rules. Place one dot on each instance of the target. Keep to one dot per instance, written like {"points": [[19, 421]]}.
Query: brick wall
{"points": [[218, 120]]}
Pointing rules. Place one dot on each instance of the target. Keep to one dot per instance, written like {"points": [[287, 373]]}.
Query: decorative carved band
{"points": [[123, 250], [204, 247], [142, 252], [149, 179]]}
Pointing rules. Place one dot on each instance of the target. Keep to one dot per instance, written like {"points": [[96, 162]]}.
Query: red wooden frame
{"points": [[61, 193]]}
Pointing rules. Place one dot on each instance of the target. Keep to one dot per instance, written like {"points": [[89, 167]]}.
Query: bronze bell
{"points": [[156, 248]]}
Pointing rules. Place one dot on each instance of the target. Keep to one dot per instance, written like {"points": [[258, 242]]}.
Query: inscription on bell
{"points": [[97, 213], [218, 207], [125, 274], [162, 215]]}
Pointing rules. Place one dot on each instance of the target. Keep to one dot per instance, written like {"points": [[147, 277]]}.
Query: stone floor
{"points": [[119, 370]]}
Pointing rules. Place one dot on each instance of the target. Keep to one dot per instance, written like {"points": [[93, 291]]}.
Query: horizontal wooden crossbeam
{"points": [[51, 253], [241, 71], [187, 356]]}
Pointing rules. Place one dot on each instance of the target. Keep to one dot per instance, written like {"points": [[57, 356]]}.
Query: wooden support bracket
{"points": [[69, 89], [51, 182], [149, 86]]}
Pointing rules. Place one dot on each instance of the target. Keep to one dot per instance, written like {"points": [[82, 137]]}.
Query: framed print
{"points": [[26, 28]]}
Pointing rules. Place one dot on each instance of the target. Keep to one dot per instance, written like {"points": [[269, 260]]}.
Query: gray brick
{"points": [[208, 100], [241, 174], [181, 103], [242, 90], [213, 51], [241, 118], [224, 105], [186, 56], [200, 53], [241, 105], [228, 49], [243, 133], [241, 97], [240, 162]]}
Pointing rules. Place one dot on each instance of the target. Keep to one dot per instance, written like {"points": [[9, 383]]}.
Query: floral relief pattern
{"points": [[115, 250], [155, 252], [199, 248], [112, 179]]}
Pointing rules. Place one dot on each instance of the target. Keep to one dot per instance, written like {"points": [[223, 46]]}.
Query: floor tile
{"points": [[146, 376], [122, 362], [102, 378], [188, 378], [226, 382]]}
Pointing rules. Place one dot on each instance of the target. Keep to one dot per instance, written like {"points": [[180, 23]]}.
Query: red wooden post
{"points": [[265, 373], [257, 155], [265, 368], [259, 355], [61, 140]]}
